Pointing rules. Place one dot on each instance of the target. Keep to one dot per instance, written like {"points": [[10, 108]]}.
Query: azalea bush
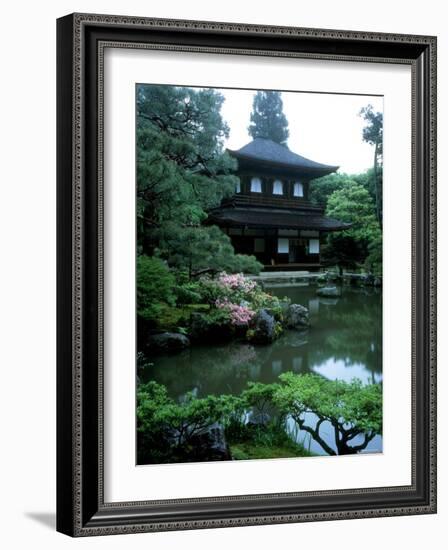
{"points": [[239, 314], [241, 291], [236, 282], [272, 304], [241, 298], [235, 288], [231, 300]]}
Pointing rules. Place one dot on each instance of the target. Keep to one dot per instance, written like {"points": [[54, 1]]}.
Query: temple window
{"points": [[238, 187], [298, 189], [277, 187], [255, 185], [314, 246], [283, 246]]}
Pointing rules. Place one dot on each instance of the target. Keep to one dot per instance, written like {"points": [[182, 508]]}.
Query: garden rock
{"points": [[331, 277], [329, 292], [208, 445], [168, 342], [213, 443], [368, 279], [263, 330], [297, 316]]}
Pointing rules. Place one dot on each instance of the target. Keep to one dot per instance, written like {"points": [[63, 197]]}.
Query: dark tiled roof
{"points": [[275, 218], [265, 150]]}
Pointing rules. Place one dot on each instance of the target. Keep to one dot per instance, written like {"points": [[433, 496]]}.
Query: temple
{"points": [[270, 215]]}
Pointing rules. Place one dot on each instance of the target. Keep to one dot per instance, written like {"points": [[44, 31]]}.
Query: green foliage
{"points": [[267, 119], [351, 408], [272, 304], [353, 204], [167, 429], [367, 180], [266, 438], [211, 290], [188, 293], [180, 112], [344, 251], [214, 317], [322, 188], [373, 131], [374, 261], [177, 319], [150, 398], [182, 172], [155, 287], [262, 442], [259, 396], [202, 249], [278, 330]]}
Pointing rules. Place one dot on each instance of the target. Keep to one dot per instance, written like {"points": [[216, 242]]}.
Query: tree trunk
{"points": [[375, 177]]}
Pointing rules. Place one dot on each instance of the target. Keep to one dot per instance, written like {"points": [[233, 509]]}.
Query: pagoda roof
{"points": [[274, 218], [267, 151]]}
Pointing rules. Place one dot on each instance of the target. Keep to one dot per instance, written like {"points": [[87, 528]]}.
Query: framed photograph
{"points": [[246, 274]]}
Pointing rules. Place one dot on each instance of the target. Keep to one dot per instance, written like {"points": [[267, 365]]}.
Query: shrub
{"points": [[240, 315], [213, 326], [374, 261], [167, 429], [272, 304], [188, 293], [351, 408], [155, 287], [260, 397], [236, 283], [234, 288]]}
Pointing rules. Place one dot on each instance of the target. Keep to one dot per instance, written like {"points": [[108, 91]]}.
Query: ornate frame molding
{"points": [[81, 42]]}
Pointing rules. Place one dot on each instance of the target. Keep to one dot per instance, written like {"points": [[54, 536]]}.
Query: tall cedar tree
{"points": [[267, 119], [372, 133]]}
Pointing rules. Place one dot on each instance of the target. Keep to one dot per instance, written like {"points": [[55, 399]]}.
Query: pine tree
{"points": [[267, 119], [183, 170]]}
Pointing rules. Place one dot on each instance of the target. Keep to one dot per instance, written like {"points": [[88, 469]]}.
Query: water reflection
{"points": [[326, 431], [343, 342]]}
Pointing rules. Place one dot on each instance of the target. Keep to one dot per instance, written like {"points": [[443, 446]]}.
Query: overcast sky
{"points": [[323, 127]]}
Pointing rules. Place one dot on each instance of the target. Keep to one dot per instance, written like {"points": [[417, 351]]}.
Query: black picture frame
{"points": [[81, 510]]}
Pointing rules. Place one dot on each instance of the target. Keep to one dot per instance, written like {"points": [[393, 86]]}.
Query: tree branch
{"points": [[315, 434], [367, 439]]}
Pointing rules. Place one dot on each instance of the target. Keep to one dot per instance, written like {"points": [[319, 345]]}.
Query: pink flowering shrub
{"points": [[239, 297], [239, 314], [236, 282], [234, 288]]}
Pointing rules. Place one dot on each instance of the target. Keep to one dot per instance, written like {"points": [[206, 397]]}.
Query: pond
{"points": [[343, 342]]}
